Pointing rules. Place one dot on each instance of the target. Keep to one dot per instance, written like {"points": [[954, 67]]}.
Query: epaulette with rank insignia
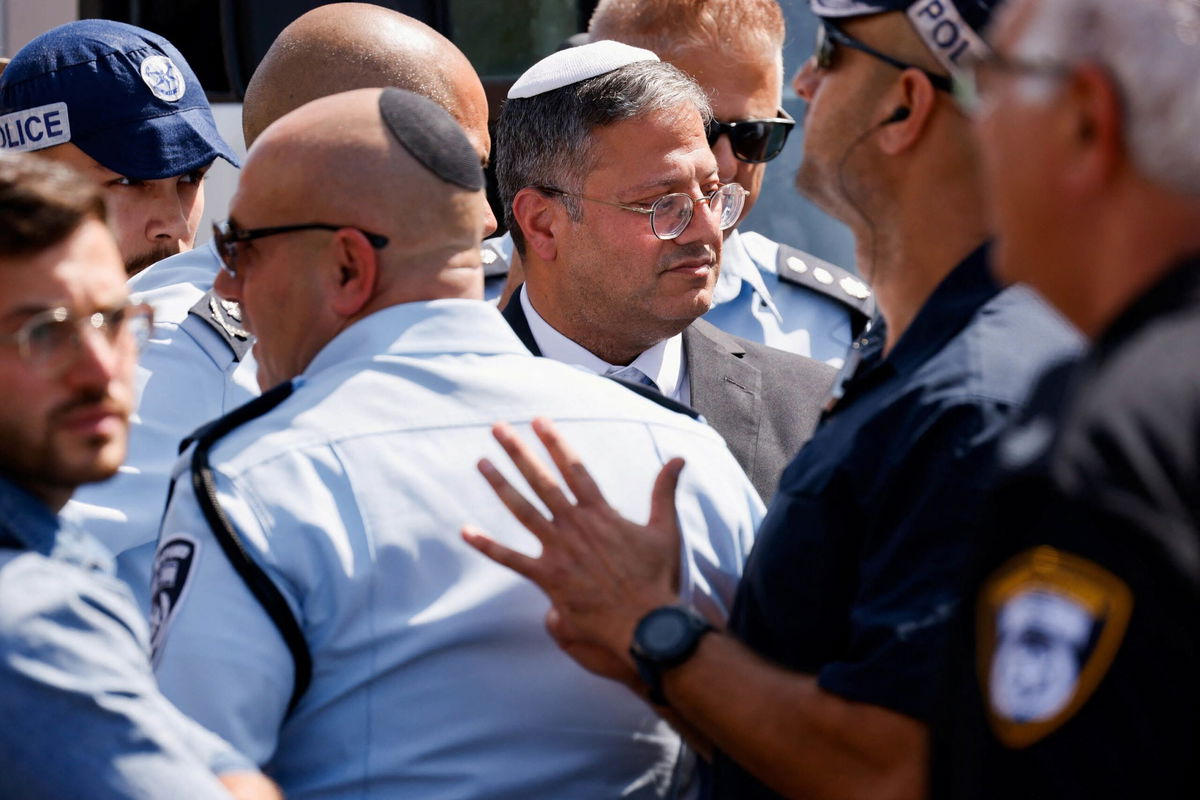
{"points": [[804, 269], [224, 317]]}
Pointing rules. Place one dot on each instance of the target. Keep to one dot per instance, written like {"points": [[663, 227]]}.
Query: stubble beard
{"points": [[58, 461], [141, 261]]}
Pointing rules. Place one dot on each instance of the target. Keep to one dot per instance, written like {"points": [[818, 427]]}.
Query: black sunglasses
{"points": [[829, 36], [227, 235], [753, 140]]}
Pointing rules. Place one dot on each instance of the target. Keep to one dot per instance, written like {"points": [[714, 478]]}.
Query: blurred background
{"points": [[224, 40]]}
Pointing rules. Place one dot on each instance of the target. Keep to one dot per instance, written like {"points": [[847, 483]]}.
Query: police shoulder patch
{"points": [[1049, 624], [173, 565]]}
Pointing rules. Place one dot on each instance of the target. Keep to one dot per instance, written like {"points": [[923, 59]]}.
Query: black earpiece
{"points": [[899, 115]]}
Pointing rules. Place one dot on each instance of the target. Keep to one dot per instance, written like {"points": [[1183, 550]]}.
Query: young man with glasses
{"points": [[331, 624], [82, 714], [829, 673], [616, 204]]}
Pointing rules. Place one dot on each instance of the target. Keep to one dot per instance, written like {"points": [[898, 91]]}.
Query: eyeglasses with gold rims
{"points": [[671, 213], [227, 236], [50, 339]]}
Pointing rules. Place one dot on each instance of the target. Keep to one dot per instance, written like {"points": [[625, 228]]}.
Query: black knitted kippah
{"points": [[431, 136]]}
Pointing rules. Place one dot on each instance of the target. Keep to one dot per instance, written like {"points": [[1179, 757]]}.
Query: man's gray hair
{"points": [[1152, 50], [545, 140]]}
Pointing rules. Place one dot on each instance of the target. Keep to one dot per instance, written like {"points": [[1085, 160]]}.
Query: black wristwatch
{"points": [[665, 638]]}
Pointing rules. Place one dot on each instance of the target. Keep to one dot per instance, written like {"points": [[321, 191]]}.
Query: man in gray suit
{"points": [[615, 205]]}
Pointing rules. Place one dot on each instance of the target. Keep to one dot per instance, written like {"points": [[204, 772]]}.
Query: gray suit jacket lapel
{"points": [[725, 388]]}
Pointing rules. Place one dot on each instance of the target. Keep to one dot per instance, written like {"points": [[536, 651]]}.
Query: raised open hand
{"points": [[601, 571]]}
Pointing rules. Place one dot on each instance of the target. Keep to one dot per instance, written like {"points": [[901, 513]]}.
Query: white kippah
{"points": [[576, 64]]}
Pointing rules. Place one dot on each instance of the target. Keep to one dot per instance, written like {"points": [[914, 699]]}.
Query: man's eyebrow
{"points": [[28, 310], [665, 183]]}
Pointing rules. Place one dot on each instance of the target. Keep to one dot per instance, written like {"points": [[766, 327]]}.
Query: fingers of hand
{"points": [[662, 498], [540, 479], [525, 512], [504, 556], [578, 479]]}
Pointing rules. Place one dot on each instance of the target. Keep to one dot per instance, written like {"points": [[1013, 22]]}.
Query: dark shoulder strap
{"points": [[224, 317], [656, 397], [804, 269], [516, 320], [255, 578]]}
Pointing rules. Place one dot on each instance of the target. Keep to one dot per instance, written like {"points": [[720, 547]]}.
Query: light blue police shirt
{"points": [[80, 714], [750, 300], [187, 375], [433, 674]]}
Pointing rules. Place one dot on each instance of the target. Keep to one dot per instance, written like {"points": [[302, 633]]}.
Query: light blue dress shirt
{"points": [[433, 674], [80, 714], [187, 375]]}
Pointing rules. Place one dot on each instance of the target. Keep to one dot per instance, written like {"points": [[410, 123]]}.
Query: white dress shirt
{"points": [[663, 363]]}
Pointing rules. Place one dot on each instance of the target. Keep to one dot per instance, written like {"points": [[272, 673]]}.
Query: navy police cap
{"points": [[121, 94], [952, 29]]}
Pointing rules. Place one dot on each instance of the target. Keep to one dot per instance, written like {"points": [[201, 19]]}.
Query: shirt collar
{"points": [[737, 267], [26, 519], [663, 363], [425, 327], [945, 313], [30, 522]]}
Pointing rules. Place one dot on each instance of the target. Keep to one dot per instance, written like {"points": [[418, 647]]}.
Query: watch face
{"points": [[663, 632]]}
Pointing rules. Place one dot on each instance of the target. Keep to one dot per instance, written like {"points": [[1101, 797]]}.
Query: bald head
{"points": [[369, 172], [345, 46], [385, 209]]}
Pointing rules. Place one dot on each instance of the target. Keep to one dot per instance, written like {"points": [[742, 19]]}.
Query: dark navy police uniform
{"points": [[1076, 672], [858, 563]]}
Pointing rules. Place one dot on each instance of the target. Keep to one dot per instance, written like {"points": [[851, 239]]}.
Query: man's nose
{"points": [[805, 80]]}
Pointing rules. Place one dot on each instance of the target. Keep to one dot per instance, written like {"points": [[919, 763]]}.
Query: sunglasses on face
{"points": [[830, 36], [753, 140]]}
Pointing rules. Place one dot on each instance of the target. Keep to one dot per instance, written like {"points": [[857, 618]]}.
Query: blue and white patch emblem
{"points": [[173, 565], [1049, 626], [164, 78]]}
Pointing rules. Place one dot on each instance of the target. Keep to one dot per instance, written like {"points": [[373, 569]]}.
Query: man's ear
{"points": [[1093, 128], [354, 273], [907, 112], [536, 212]]}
